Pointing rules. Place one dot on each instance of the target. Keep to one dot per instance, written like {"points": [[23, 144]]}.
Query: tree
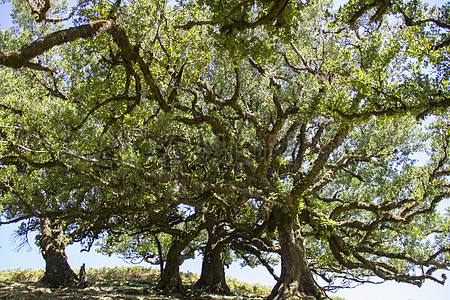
{"points": [[306, 117], [212, 277], [52, 243], [59, 208], [138, 248]]}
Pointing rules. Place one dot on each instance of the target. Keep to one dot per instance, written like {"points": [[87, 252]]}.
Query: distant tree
{"points": [[138, 248]]}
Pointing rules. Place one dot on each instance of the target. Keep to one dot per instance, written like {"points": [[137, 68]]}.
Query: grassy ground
{"points": [[113, 283]]}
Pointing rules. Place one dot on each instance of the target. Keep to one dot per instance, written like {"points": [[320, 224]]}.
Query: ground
{"points": [[114, 283]]}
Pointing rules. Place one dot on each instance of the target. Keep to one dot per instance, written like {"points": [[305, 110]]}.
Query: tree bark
{"points": [[296, 280], [53, 243], [212, 278], [160, 255], [170, 278], [22, 58]]}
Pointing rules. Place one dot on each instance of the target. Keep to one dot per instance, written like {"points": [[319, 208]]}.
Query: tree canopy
{"points": [[254, 130]]}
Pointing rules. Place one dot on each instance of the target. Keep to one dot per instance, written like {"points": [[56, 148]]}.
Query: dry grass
{"points": [[113, 283]]}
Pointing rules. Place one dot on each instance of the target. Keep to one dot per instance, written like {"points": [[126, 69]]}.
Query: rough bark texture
{"points": [[296, 280], [53, 244], [170, 278], [212, 278], [22, 58]]}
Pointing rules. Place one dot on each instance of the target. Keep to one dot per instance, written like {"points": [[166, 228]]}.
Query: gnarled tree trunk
{"points": [[296, 280], [170, 278], [53, 244], [212, 278]]}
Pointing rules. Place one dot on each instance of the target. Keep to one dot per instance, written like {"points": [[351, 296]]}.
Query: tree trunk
{"points": [[170, 278], [160, 255], [212, 278], [296, 280], [52, 242]]}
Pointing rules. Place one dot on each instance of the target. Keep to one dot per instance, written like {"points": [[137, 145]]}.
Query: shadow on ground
{"points": [[114, 283]]}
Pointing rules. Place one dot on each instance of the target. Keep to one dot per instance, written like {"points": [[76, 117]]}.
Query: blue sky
{"points": [[5, 18], [11, 259]]}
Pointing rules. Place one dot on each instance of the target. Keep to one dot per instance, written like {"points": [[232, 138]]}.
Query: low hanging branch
{"points": [[19, 59]]}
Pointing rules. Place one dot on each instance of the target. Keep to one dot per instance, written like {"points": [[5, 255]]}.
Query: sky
{"points": [[31, 258], [5, 18]]}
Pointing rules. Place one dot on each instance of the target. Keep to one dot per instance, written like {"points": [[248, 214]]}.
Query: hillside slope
{"points": [[114, 283]]}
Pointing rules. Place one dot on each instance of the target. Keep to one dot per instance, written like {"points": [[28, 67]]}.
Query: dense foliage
{"points": [[256, 130]]}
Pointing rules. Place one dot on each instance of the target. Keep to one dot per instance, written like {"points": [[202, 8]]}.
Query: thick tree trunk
{"points": [[296, 280], [52, 242], [212, 278], [170, 278]]}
